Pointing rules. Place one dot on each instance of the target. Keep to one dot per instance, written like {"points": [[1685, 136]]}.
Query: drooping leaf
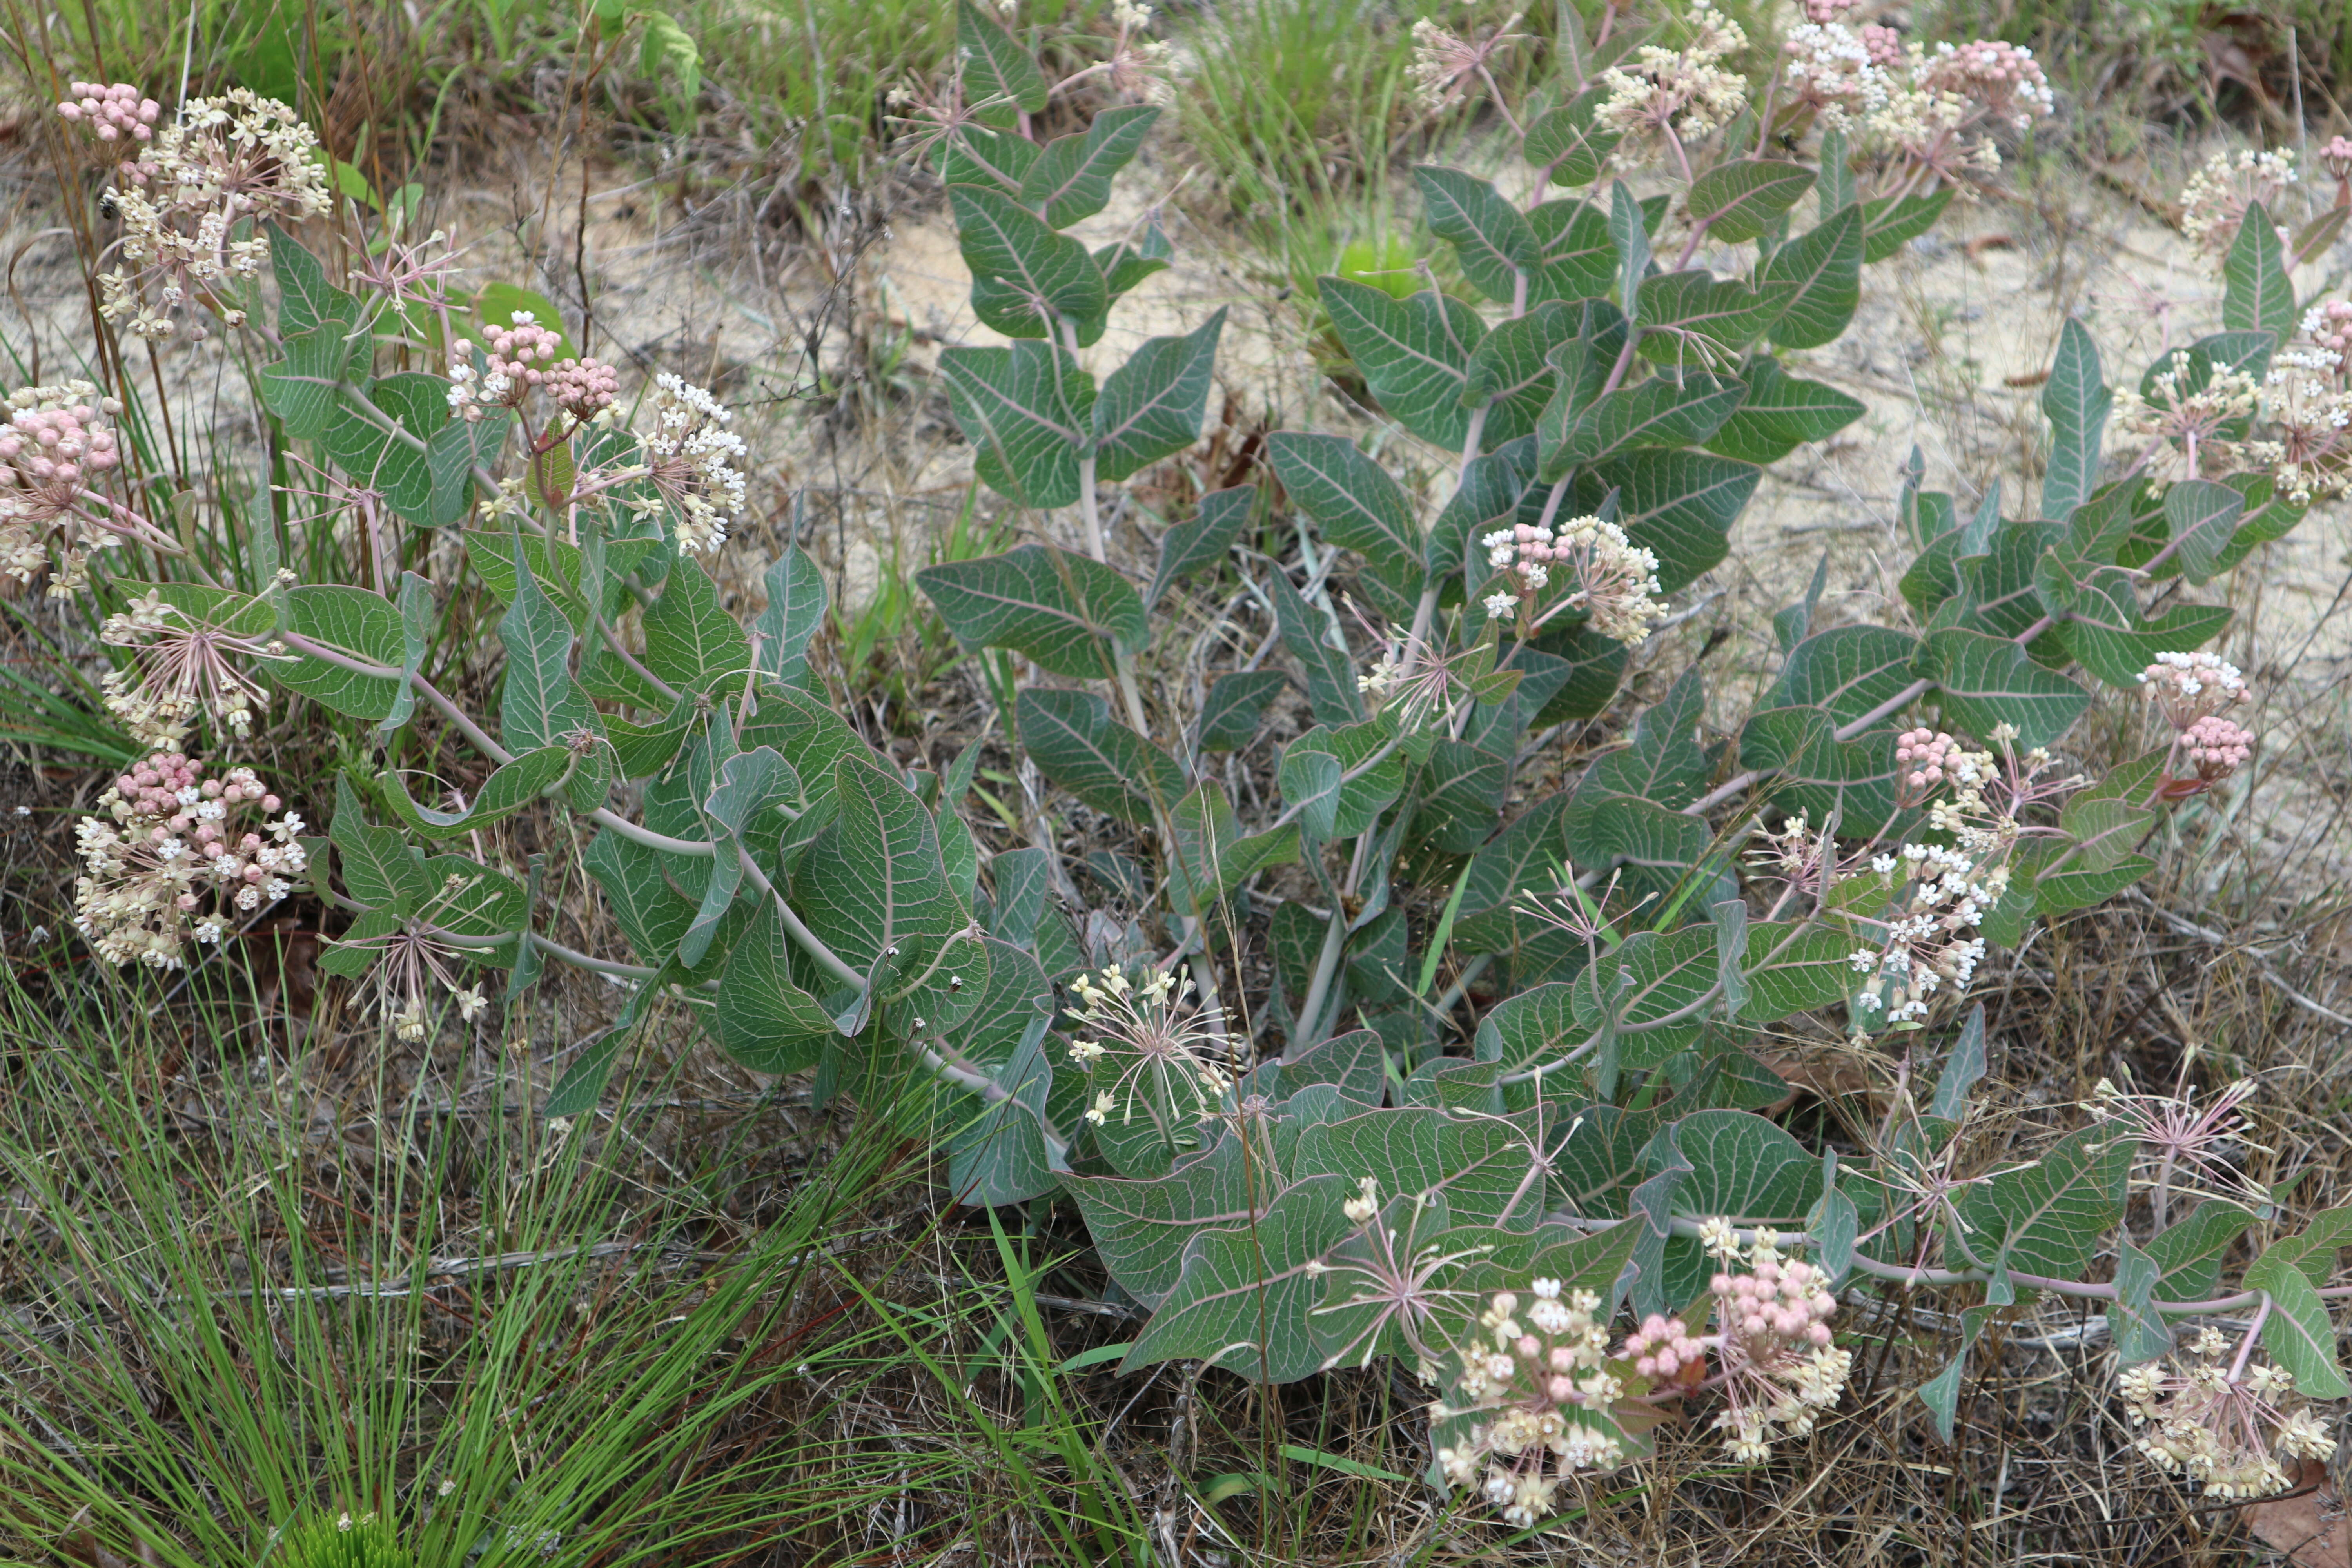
{"points": [[1352, 497], [1070, 178], [540, 703], [1151, 407], [796, 605], [1027, 410], [1071, 613], [1415, 353], [1780, 412], [1082, 747], [1490, 237], [1204, 540], [1044, 276], [1825, 265], [1739, 199]]}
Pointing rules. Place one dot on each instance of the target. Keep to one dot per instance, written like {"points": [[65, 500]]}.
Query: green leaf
{"points": [[1576, 258], [2075, 400], [508, 789], [304, 388], [976, 155], [379, 870], [1140, 1229], [2202, 515], [1212, 856], [1070, 614], [994, 67], [1352, 497], [1835, 185], [2188, 1252], [1986, 680], [1241, 1298], [1001, 1157], [1082, 747], [1696, 318], [690, 641], [2138, 1332], [1331, 689], [2257, 294], [1677, 504], [1658, 412], [1490, 237], [305, 298], [1028, 409], [1629, 234], [1825, 266], [872, 888], [1780, 412], [1040, 270], [1354, 806], [1889, 222], [540, 703], [1205, 541], [1070, 180], [1413, 353], [651, 912], [2102, 626], [1511, 373], [2316, 1249], [1849, 670], [761, 1017], [1741, 1167], [1809, 769], [361, 439], [452, 454], [497, 304], [1566, 144], [1790, 968], [1234, 707], [2050, 1219], [357, 622], [1739, 199], [1941, 1393], [416, 611], [1963, 1068], [796, 605], [1151, 406], [1519, 858], [2299, 1333]]}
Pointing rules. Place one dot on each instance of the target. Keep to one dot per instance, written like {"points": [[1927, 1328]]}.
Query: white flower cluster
{"points": [[2226, 1428], [2189, 426], [1543, 1373], [692, 457], [1925, 103], [1617, 581], [1153, 1051], [53, 447], [2213, 203], [1684, 92], [191, 203], [172, 863], [2308, 407], [1925, 945], [1442, 62], [183, 668]]}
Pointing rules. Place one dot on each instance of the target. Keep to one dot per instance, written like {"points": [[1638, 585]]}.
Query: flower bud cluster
{"points": [[2004, 77], [54, 446], [2187, 687], [183, 854], [1777, 1367], [111, 113], [224, 168], [2215, 747], [1920, 755], [2225, 1427], [1539, 1370]]}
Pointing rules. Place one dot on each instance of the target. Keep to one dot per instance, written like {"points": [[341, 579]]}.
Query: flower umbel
{"points": [[2224, 1427], [182, 670], [1153, 1053], [178, 859]]}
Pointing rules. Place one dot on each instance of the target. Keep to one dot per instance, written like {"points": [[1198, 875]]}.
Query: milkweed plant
{"points": [[1491, 1107]]}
